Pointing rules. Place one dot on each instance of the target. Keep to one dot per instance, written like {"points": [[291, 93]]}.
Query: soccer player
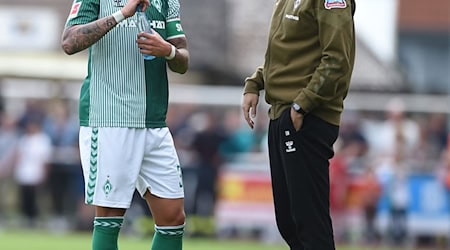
{"points": [[306, 76], [124, 140]]}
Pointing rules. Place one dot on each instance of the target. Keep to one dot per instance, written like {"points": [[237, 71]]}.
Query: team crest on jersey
{"points": [[75, 9], [335, 4], [158, 5]]}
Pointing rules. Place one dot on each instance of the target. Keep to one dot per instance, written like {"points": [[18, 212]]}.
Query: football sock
{"points": [[106, 233], [168, 238]]}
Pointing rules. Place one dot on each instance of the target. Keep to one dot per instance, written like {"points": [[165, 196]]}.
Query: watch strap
{"points": [[298, 108]]}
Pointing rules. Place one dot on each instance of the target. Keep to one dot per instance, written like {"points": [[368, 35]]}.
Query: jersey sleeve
{"points": [[255, 83], [174, 28], [83, 11], [337, 40]]}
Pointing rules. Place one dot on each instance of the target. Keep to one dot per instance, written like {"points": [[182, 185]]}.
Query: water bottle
{"points": [[144, 25]]}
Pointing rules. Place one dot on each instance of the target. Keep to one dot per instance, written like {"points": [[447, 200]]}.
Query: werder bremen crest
{"points": [[107, 187], [157, 4]]}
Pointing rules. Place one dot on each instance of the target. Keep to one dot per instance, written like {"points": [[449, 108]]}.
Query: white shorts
{"points": [[117, 161]]}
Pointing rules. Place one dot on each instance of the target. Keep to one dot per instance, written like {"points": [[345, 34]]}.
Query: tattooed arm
{"points": [[80, 37], [180, 63], [154, 44]]}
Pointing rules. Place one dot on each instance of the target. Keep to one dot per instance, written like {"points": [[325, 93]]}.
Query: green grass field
{"points": [[44, 241], [35, 240]]}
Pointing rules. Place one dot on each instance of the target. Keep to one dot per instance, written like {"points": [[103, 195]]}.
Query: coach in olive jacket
{"points": [[306, 76]]}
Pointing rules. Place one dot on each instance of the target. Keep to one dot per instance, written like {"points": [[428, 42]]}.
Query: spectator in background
{"points": [[346, 167], [371, 195], [354, 143], [339, 184], [31, 166], [392, 146], [432, 140], [437, 132], [65, 179], [396, 172], [399, 203], [382, 139], [8, 142], [206, 146], [239, 140], [33, 108]]}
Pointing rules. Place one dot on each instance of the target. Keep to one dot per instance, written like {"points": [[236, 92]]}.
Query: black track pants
{"points": [[299, 162]]}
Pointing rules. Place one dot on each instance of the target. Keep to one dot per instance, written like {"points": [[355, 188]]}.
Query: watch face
{"points": [[298, 109]]}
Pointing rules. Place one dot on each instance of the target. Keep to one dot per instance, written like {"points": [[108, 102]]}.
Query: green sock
{"points": [[168, 238], [106, 233]]}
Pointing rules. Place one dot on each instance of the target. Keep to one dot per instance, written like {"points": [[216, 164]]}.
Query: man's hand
{"points": [[249, 105], [153, 44], [130, 8], [297, 119], [80, 37]]}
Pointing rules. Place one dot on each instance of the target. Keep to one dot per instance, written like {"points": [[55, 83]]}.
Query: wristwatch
{"points": [[298, 109]]}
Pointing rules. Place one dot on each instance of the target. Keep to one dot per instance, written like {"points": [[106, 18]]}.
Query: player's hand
{"points": [[130, 8], [153, 44], [297, 119], [249, 105]]}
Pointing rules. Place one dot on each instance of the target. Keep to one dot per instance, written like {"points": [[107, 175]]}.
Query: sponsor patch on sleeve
{"points": [[75, 9], [335, 4]]}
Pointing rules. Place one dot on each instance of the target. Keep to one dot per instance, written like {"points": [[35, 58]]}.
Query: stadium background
{"points": [[402, 64]]}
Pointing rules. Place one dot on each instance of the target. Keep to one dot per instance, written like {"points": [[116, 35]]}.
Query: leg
{"points": [[107, 224], [58, 183], [282, 203], [305, 158], [166, 212], [169, 222], [29, 204], [109, 212], [111, 159], [160, 183]]}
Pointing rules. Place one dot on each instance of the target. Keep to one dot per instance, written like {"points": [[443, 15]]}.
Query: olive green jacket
{"points": [[309, 58]]}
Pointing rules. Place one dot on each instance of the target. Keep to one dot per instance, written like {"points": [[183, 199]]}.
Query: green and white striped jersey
{"points": [[122, 89]]}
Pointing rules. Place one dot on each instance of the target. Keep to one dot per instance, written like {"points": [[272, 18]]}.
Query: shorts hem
{"points": [[111, 204], [170, 196], [162, 195]]}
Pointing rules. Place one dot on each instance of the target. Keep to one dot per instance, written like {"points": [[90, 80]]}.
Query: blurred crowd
{"points": [[376, 155], [41, 180], [40, 167]]}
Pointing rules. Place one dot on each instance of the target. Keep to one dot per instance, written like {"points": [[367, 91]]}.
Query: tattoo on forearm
{"points": [[83, 36], [180, 63]]}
